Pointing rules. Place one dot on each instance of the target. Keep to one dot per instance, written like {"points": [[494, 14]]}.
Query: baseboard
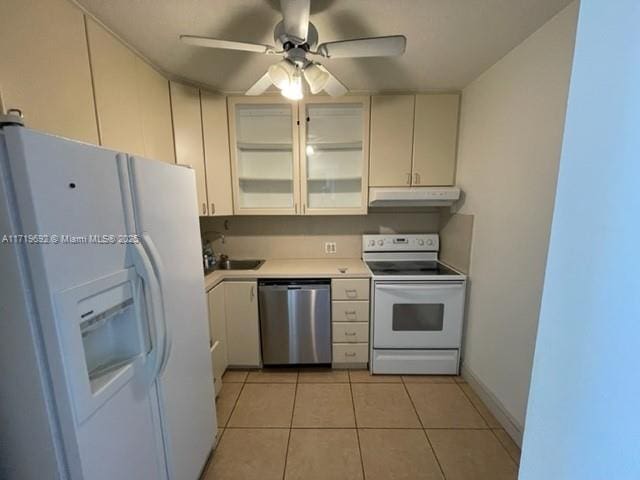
{"points": [[510, 424]]}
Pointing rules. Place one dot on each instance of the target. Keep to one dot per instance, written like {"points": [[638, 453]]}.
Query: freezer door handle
{"points": [[153, 306], [158, 267]]}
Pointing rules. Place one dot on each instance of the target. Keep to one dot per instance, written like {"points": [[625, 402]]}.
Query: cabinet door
{"points": [[264, 156], [391, 140], [243, 331], [115, 84], [216, 153], [187, 132], [218, 331], [44, 67], [155, 113], [335, 155], [434, 140]]}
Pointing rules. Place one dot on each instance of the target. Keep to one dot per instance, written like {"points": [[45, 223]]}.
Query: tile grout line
{"points": [[424, 430], [474, 406], [293, 410], [355, 421], [235, 404], [224, 428]]}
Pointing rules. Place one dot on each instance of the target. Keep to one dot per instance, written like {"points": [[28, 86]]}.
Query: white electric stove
{"points": [[417, 305]]}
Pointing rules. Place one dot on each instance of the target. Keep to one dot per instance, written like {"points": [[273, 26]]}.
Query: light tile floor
{"points": [[334, 424]]}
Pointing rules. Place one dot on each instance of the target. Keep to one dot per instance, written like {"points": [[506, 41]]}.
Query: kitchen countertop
{"points": [[294, 268]]}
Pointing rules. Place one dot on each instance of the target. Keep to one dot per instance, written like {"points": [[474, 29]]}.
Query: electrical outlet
{"points": [[330, 247]]}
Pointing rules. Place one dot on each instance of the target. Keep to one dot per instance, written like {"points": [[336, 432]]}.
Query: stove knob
{"points": [[381, 242], [372, 243], [421, 242], [430, 242]]}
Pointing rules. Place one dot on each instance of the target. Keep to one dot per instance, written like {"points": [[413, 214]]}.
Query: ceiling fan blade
{"points": [[226, 44], [364, 47], [261, 86], [295, 14], [333, 86]]}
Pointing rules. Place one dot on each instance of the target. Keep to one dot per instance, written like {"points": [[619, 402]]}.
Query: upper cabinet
{"points": [[187, 131], [263, 134], [216, 153], [155, 113], [132, 99], [334, 152], [299, 159], [413, 140], [71, 77], [391, 140], [434, 139], [201, 138], [44, 67], [116, 90]]}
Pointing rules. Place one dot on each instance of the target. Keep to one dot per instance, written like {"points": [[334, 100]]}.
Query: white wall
{"points": [[583, 421], [510, 136]]}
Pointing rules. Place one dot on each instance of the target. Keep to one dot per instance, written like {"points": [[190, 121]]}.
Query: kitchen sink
{"points": [[228, 264]]}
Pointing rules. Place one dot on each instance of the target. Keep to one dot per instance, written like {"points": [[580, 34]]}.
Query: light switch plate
{"points": [[330, 247]]}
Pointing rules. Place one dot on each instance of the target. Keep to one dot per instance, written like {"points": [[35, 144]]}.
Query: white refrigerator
{"points": [[105, 369]]}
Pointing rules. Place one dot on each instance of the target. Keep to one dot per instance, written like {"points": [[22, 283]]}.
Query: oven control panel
{"points": [[425, 242]]}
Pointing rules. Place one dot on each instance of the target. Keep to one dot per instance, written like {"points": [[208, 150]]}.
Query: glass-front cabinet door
{"points": [[334, 153], [264, 155]]}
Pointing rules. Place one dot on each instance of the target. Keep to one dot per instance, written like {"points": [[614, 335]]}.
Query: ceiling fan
{"points": [[296, 39]]}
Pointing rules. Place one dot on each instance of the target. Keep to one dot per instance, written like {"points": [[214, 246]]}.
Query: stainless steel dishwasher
{"points": [[295, 321]]}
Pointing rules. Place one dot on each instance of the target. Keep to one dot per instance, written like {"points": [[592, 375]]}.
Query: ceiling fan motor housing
{"points": [[286, 42]]}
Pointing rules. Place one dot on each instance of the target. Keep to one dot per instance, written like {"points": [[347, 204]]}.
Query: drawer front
{"points": [[350, 353], [350, 289], [350, 311], [350, 332]]}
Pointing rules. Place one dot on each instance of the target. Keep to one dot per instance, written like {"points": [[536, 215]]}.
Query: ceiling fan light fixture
{"points": [[293, 91], [317, 77], [282, 73]]}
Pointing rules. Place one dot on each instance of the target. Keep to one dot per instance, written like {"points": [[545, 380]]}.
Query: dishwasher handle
{"points": [[295, 283]]}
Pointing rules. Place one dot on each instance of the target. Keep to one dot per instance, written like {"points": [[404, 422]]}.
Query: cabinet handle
{"points": [[350, 354], [304, 208], [252, 293], [350, 334], [213, 208], [350, 312], [204, 209], [408, 178], [417, 181], [295, 208], [351, 293]]}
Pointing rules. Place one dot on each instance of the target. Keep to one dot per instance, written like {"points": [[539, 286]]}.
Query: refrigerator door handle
{"points": [[158, 267], [153, 305]]}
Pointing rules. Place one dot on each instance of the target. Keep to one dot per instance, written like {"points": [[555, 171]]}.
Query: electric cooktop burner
{"points": [[410, 268]]}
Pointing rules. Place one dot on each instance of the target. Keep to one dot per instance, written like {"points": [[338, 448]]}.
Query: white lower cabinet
{"points": [[217, 333], [350, 322], [243, 329], [350, 354], [351, 332]]}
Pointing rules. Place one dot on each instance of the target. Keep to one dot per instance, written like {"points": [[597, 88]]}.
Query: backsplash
{"points": [[305, 236], [456, 231]]}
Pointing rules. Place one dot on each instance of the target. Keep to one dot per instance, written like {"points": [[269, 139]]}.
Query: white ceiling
{"points": [[449, 42]]}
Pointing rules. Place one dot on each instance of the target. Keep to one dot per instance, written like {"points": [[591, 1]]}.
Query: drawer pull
{"points": [[350, 312], [350, 354], [350, 334], [351, 293]]}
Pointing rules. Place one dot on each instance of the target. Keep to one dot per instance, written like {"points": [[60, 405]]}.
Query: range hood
{"points": [[413, 196]]}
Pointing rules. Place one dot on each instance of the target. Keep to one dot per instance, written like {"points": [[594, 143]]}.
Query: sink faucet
{"points": [[219, 234]]}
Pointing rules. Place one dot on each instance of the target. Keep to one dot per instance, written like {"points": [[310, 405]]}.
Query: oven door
{"points": [[418, 314]]}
